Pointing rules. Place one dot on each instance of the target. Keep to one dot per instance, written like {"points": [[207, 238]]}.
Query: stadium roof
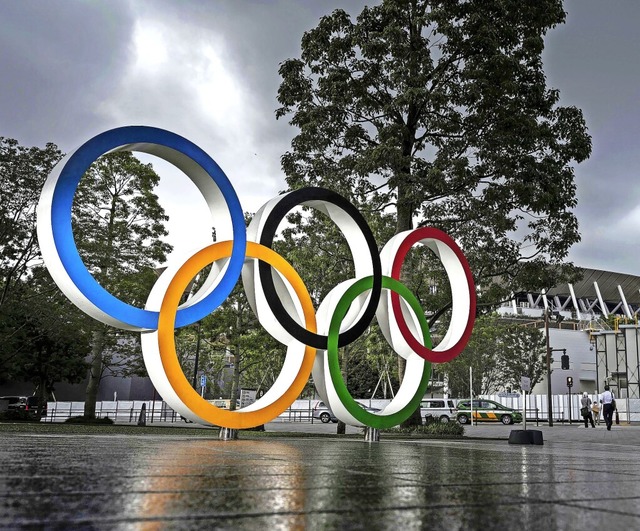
{"points": [[608, 283]]}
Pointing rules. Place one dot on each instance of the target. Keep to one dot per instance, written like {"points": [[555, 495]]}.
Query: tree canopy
{"points": [[23, 172], [42, 334], [118, 226], [438, 112], [499, 353]]}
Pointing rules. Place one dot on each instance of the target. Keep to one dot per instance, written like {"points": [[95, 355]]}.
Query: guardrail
{"points": [[155, 411], [124, 411]]}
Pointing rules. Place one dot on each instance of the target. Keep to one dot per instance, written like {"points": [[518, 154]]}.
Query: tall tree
{"points": [[524, 354], [499, 353], [44, 338], [484, 355], [118, 225], [257, 356], [42, 335], [438, 110]]}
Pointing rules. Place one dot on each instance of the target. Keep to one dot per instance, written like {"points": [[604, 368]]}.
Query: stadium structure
{"points": [[595, 322]]}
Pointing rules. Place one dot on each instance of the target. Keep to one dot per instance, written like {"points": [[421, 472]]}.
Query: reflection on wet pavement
{"points": [[307, 483]]}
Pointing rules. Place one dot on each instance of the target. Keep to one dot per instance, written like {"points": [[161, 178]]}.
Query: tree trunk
{"points": [[341, 428], [95, 374], [404, 222], [235, 382]]}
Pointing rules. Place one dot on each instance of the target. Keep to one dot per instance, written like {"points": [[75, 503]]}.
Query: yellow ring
{"points": [[166, 340]]}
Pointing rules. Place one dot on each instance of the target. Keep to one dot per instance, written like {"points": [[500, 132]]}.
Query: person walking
{"points": [[585, 401], [608, 406], [595, 410]]}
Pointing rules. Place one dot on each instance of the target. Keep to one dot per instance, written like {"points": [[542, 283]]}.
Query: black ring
{"points": [[282, 208]]}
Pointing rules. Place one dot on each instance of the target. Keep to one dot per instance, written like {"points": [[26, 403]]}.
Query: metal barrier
{"points": [[156, 411]]}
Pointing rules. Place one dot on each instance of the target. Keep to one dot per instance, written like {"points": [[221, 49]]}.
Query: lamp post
{"points": [[559, 318], [549, 399]]}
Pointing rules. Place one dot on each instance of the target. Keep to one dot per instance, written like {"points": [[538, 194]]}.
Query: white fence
{"points": [[565, 409], [126, 411], [118, 411]]}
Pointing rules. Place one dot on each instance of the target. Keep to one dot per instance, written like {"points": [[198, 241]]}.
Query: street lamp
{"points": [[559, 318], [549, 400]]}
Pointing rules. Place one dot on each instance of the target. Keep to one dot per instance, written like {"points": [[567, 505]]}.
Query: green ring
{"points": [[370, 419]]}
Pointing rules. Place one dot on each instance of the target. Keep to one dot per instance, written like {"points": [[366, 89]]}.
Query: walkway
{"points": [[579, 479]]}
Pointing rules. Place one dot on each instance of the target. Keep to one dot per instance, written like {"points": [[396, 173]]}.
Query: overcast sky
{"points": [[208, 71]]}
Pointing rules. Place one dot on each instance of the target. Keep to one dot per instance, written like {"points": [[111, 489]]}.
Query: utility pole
{"points": [[549, 399]]}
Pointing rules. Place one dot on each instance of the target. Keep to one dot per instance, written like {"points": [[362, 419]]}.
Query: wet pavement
{"points": [[579, 479]]}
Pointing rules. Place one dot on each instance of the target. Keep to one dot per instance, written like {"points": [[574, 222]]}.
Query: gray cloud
{"points": [[57, 61], [72, 69]]}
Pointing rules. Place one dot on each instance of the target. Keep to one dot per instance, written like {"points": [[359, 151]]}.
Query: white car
{"points": [[322, 412], [440, 409]]}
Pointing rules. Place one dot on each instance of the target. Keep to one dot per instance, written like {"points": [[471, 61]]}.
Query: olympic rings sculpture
{"points": [[274, 290]]}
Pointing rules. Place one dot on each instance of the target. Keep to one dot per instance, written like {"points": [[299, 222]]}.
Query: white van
{"points": [[441, 409]]}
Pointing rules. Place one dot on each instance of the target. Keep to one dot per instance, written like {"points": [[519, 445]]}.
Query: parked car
{"points": [[440, 409], [322, 412], [24, 403], [487, 411]]}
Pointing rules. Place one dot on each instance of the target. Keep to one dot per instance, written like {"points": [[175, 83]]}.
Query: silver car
{"points": [[322, 412]]}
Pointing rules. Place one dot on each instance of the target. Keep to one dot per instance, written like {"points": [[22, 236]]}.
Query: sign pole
{"points": [[471, 392], [203, 384], [525, 385]]}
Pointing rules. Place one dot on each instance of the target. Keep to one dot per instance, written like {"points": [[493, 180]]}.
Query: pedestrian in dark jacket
{"points": [[586, 407]]}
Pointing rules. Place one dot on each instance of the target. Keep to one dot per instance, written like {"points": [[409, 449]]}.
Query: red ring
{"points": [[434, 356]]}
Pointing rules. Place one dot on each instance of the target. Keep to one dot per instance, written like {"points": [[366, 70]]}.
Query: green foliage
{"points": [[23, 171], [524, 355], [44, 338], [483, 354], [440, 111], [232, 332], [500, 353], [42, 335], [104, 421], [318, 251], [445, 430], [118, 227], [370, 365], [211, 357], [17, 415]]}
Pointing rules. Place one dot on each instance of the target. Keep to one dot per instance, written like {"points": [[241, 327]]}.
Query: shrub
{"points": [[451, 430], [87, 420], [12, 415]]}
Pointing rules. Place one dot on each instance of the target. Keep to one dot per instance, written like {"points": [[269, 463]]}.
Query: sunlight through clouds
{"points": [[149, 47], [182, 80], [219, 92]]}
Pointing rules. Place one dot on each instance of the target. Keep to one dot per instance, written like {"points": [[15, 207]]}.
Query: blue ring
{"points": [[62, 202]]}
